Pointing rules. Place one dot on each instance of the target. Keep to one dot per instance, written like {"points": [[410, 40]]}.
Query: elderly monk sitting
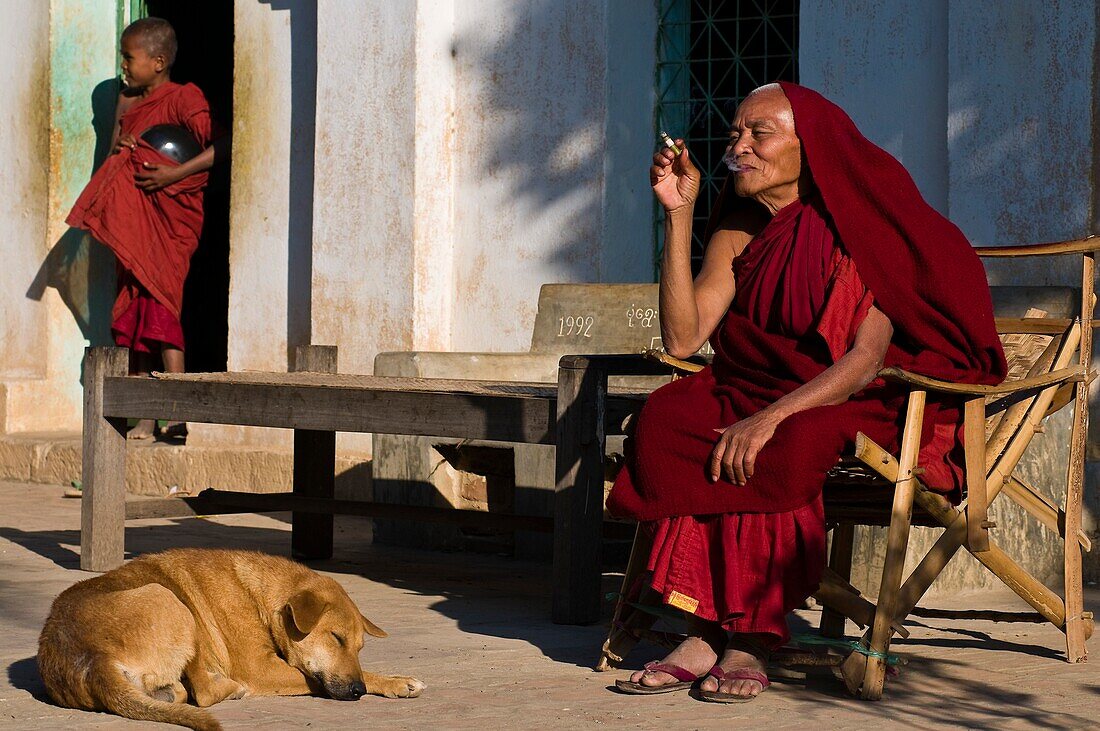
{"points": [[822, 264]]}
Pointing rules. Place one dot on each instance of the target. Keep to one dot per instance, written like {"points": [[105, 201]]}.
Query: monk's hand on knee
{"points": [[734, 456]]}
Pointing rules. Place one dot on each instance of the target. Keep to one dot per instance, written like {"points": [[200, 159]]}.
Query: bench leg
{"points": [[578, 500], [103, 466], [314, 466]]}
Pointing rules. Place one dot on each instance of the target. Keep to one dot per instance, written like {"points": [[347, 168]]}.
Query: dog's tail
{"points": [[120, 696]]}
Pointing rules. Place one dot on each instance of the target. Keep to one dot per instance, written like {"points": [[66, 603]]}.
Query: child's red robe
{"points": [[153, 235]]}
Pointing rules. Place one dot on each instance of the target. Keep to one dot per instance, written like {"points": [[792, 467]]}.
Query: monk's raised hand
{"points": [[734, 456], [674, 178]]}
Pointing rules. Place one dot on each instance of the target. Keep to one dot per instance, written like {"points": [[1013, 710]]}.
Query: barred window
{"points": [[710, 55]]}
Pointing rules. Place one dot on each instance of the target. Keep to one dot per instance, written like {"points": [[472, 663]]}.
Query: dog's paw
{"points": [[400, 686]]}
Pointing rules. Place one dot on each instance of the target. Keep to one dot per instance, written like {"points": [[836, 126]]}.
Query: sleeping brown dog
{"points": [[205, 625]]}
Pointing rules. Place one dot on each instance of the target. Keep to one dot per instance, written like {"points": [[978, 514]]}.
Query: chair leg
{"points": [[620, 638], [1074, 600], [897, 542], [840, 561]]}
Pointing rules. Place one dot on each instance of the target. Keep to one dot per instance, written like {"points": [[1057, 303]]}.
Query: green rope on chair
{"points": [[855, 645], [664, 612]]}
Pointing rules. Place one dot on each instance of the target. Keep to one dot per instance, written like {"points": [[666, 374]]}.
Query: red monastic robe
{"points": [[745, 556], [153, 235]]}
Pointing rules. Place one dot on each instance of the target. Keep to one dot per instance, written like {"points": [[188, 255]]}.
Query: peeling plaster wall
{"points": [[1021, 124], [66, 50], [990, 105], [886, 65], [529, 167], [626, 245], [365, 255], [259, 212], [24, 149], [269, 230]]}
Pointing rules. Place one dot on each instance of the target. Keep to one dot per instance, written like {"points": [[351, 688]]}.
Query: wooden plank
{"points": [[578, 500], [103, 466], [503, 416], [1043, 326], [499, 417], [977, 499], [1042, 509], [175, 507], [314, 472], [280, 502]]}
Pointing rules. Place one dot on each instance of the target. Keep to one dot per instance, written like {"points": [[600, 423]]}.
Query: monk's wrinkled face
{"points": [[765, 147]]}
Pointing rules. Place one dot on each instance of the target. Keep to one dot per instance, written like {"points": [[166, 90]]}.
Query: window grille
{"points": [[710, 54]]}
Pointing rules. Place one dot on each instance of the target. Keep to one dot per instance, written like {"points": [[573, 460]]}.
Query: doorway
{"points": [[204, 29]]}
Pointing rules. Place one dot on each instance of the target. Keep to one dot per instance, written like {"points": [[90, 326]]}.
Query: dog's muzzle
{"points": [[345, 690]]}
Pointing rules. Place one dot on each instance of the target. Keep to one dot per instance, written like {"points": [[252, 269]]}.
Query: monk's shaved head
{"points": [[156, 36], [765, 155], [772, 94]]}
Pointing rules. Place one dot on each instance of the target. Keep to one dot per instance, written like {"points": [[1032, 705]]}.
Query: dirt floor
{"points": [[476, 629]]}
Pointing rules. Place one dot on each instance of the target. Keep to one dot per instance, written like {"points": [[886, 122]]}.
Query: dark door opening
{"points": [[204, 29]]}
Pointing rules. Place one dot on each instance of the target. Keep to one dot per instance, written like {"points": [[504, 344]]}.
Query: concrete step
{"points": [[153, 467]]}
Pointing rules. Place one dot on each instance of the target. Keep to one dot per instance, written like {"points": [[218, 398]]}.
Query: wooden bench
{"points": [[316, 402]]}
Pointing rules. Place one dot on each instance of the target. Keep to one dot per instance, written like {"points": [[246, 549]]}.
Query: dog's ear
{"points": [[371, 628], [305, 609]]}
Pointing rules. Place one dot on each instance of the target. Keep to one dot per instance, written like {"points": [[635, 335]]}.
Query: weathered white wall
{"points": [[988, 103], [260, 214], [365, 254], [24, 128], [56, 58], [886, 65], [1021, 124], [529, 167], [484, 149], [626, 241]]}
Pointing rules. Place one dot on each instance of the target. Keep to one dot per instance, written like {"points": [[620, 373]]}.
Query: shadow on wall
{"points": [[531, 129], [303, 133], [81, 270]]}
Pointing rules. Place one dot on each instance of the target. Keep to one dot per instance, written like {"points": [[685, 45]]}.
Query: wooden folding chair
{"points": [[1049, 359]]}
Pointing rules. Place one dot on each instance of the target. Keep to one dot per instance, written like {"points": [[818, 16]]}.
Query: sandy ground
{"points": [[476, 629]]}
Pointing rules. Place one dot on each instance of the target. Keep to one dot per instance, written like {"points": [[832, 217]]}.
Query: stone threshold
{"points": [[152, 468]]}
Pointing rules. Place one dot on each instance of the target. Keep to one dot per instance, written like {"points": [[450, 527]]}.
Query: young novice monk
{"points": [[147, 208]]}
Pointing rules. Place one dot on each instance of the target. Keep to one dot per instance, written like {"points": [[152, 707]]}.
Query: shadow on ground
{"points": [[23, 674], [505, 598]]}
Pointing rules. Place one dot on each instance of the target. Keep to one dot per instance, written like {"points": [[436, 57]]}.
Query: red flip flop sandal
{"points": [[713, 696], [685, 679]]}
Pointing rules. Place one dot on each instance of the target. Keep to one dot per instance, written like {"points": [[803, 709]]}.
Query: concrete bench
{"points": [[498, 477]]}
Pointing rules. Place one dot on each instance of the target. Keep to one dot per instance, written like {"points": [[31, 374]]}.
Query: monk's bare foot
{"points": [[693, 654], [142, 430], [736, 657]]}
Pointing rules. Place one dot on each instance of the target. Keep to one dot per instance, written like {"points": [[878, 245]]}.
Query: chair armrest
{"points": [[1076, 246], [678, 365], [1073, 374]]}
